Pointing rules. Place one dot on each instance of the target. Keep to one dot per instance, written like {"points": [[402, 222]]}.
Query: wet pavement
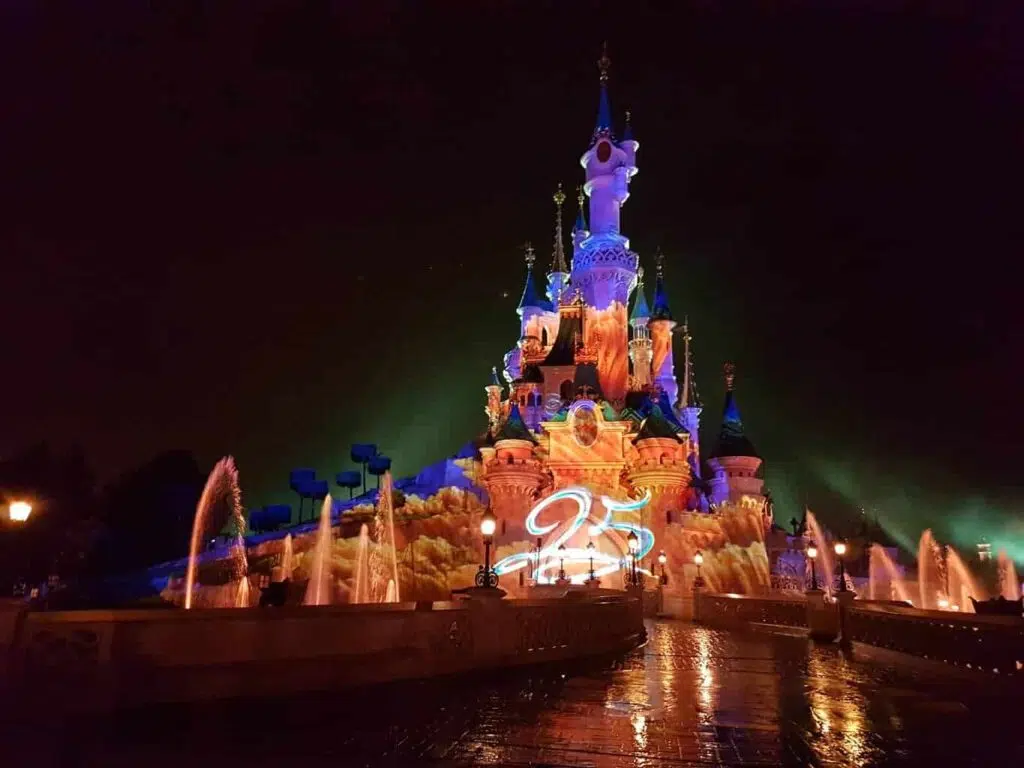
{"points": [[691, 696]]}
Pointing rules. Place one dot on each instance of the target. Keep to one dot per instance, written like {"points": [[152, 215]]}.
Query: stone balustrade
{"points": [[989, 643], [101, 660]]}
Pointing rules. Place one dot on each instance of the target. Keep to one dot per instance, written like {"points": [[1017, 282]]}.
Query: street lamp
{"points": [[590, 549], [488, 524], [812, 553], [561, 562], [634, 547], [840, 550], [18, 511], [698, 560], [662, 559]]}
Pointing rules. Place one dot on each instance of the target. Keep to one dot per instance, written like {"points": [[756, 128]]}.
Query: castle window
{"points": [[565, 390], [544, 336]]}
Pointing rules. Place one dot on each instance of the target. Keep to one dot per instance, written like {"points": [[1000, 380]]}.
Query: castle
{"points": [[592, 394]]}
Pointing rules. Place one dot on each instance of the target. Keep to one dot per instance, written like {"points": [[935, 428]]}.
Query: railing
{"points": [[989, 643], [737, 611]]}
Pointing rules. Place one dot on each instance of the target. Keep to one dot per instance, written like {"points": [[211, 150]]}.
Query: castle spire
{"points": [[661, 310], [732, 440], [530, 298], [603, 128], [558, 254], [689, 397], [640, 314], [581, 221]]}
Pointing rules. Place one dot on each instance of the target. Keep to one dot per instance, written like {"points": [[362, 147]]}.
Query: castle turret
{"points": [[734, 461], [558, 276], [662, 326], [579, 229], [603, 267], [511, 472], [640, 351], [660, 466], [689, 406], [493, 408]]}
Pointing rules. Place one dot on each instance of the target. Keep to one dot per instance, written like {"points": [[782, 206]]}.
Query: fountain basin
{"points": [[113, 659]]}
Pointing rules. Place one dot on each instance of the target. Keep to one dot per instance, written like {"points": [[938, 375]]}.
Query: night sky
{"points": [[270, 229]]}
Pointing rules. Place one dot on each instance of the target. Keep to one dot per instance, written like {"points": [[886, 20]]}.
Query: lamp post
{"points": [[590, 549], [488, 524], [18, 511], [634, 547], [698, 560], [662, 559], [561, 562], [840, 550], [812, 553]]}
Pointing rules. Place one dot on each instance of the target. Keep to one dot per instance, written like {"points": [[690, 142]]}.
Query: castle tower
{"points": [[660, 466], [734, 461], [558, 276], [511, 473], [689, 406], [640, 352], [534, 318], [662, 326], [579, 229], [493, 408], [603, 267]]}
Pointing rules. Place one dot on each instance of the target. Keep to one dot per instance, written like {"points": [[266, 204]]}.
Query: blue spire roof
{"points": [[530, 297], [661, 310], [495, 382], [581, 221], [603, 127], [514, 427], [641, 313], [732, 440]]}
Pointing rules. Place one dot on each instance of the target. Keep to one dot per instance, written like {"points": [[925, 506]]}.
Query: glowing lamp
{"points": [[662, 557], [488, 524], [634, 542], [943, 604], [840, 548], [812, 552], [19, 511], [699, 558]]}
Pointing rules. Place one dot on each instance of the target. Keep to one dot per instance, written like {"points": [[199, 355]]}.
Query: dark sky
{"points": [[270, 229]]}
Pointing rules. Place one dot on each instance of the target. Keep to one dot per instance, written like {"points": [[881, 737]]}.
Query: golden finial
{"points": [[559, 196], [530, 256], [580, 196], [604, 63], [640, 276], [659, 263], [730, 376]]}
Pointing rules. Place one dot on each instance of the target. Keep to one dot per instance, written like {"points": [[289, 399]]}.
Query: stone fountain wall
{"points": [[100, 660]]}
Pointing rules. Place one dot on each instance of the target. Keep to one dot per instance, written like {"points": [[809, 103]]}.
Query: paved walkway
{"points": [[691, 696]]}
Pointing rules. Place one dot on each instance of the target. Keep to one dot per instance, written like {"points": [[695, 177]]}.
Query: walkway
{"points": [[692, 696]]}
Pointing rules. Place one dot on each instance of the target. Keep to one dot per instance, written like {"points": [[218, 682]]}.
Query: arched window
{"points": [[544, 336], [668, 516]]}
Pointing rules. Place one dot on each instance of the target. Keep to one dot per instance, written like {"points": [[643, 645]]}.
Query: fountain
{"points": [[883, 572], [1009, 584], [318, 591], [361, 576], [221, 484], [383, 559], [827, 575], [961, 585], [930, 571], [286, 558]]}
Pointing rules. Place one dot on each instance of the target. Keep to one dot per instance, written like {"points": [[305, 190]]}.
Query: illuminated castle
{"points": [[591, 396]]}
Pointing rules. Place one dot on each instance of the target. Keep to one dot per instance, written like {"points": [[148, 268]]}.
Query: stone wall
{"points": [[110, 659]]}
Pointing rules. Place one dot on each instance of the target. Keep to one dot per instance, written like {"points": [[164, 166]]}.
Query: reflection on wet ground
{"points": [[691, 696]]}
